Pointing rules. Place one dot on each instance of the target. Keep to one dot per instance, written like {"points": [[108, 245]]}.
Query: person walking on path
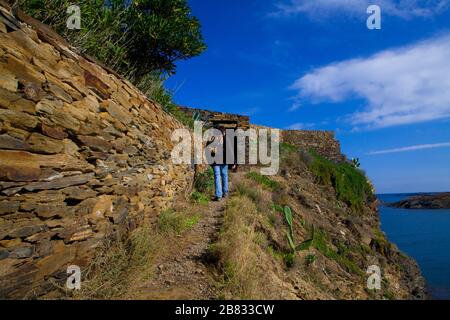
{"points": [[221, 169]]}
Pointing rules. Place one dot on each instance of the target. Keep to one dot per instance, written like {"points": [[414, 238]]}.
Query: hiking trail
{"points": [[184, 273]]}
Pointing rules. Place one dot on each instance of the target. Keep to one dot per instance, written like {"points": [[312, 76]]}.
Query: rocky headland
{"points": [[427, 201]]}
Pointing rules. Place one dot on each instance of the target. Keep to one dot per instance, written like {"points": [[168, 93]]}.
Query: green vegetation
{"points": [[251, 192], [141, 39], [380, 242], [291, 156], [204, 181], [350, 184], [171, 221], [203, 186], [263, 180], [340, 256], [286, 147], [356, 163], [199, 198], [310, 259], [290, 237]]}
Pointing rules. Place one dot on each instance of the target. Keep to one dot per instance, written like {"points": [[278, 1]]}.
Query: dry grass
{"points": [[130, 259], [238, 253], [108, 275]]}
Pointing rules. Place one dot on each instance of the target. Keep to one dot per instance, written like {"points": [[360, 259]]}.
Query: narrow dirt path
{"points": [[184, 274]]}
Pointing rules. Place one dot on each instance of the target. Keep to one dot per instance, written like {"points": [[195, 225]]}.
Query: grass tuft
{"points": [[350, 184], [171, 221], [263, 180]]}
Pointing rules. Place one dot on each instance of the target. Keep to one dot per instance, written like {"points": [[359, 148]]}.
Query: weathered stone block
{"points": [[59, 183], [119, 112], [79, 193], [47, 211], [32, 91], [43, 144], [54, 132], [22, 252], [24, 71], [9, 206], [25, 230], [96, 144], [19, 119], [95, 84], [8, 142]]}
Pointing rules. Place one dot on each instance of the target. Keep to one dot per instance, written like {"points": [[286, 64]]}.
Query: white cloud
{"points": [[295, 106], [411, 148], [401, 86], [405, 9], [300, 126]]}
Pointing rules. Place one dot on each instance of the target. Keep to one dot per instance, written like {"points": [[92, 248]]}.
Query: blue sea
{"points": [[423, 235]]}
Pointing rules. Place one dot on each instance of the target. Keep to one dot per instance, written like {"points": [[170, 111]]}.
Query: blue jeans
{"points": [[221, 179]]}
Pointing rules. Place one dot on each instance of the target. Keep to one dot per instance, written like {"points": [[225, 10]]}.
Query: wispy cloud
{"points": [[295, 106], [411, 148], [300, 126], [405, 9], [400, 86]]}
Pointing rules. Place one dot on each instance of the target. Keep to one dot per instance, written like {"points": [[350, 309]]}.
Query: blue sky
{"points": [[315, 65]]}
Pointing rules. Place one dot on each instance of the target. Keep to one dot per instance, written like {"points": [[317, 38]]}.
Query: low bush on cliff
{"points": [[350, 184]]}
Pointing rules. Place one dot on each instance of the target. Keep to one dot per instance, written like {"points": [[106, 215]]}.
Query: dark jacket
{"points": [[228, 149]]}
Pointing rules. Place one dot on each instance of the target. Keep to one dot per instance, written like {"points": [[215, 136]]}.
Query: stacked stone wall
{"points": [[83, 153]]}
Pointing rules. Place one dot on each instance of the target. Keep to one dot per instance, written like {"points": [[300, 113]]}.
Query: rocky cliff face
{"points": [[82, 154]]}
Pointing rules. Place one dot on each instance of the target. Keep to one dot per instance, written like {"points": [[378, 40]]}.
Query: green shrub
{"points": [[204, 181], [263, 180], [143, 37], [350, 184], [141, 41], [199, 198]]}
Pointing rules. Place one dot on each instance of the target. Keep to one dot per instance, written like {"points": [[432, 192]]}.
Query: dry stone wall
{"points": [[82, 154], [322, 142]]}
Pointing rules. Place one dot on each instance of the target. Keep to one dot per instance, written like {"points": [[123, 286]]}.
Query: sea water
{"points": [[423, 235]]}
